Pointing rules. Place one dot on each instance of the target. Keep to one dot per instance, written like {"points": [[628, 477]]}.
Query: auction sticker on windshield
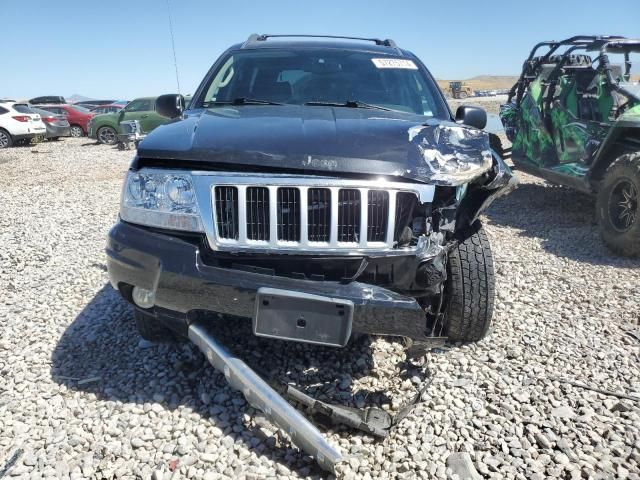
{"points": [[394, 63]]}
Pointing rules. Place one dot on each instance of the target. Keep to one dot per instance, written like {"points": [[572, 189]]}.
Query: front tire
{"points": [[151, 329], [76, 131], [5, 139], [618, 208], [107, 136], [470, 288]]}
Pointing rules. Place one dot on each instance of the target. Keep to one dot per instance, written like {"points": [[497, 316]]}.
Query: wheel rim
{"points": [[107, 135], [76, 132], [4, 140], [623, 205]]}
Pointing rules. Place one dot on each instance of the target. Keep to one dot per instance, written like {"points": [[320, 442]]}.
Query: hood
{"points": [[322, 139]]}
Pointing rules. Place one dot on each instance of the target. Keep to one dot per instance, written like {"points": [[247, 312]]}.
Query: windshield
{"points": [[325, 76]]}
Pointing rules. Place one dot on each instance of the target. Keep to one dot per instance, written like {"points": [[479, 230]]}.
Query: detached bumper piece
{"points": [[371, 420], [261, 396]]}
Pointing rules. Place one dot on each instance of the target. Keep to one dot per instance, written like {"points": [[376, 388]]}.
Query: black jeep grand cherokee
{"points": [[318, 188]]}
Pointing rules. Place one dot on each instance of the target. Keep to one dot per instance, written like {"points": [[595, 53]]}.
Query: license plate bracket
{"points": [[302, 317]]}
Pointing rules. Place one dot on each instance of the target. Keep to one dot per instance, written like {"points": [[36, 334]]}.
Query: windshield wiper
{"points": [[245, 101], [350, 104]]}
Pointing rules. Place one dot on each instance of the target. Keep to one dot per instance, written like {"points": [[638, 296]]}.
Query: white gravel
{"points": [[82, 396]]}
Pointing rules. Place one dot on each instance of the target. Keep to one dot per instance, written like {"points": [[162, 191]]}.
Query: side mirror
{"points": [[471, 116], [170, 105]]}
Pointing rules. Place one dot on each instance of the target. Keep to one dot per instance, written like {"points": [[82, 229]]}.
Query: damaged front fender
{"points": [[479, 195]]}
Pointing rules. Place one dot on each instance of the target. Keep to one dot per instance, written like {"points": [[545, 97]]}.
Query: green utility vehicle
{"points": [[573, 118], [106, 127]]}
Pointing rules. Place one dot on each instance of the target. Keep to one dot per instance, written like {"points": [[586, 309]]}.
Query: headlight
{"points": [[456, 169], [450, 154], [160, 199]]}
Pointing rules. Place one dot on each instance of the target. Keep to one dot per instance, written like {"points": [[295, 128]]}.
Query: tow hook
{"points": [[261, 396]]}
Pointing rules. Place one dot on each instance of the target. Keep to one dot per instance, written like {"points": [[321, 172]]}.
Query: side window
{"points": [[3, 111], [141, 105]]}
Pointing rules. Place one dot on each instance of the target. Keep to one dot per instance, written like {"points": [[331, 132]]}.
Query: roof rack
{"points": [[261, 38]]}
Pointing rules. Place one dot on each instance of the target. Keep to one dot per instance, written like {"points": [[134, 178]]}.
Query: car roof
{"points": [[355, 46]]}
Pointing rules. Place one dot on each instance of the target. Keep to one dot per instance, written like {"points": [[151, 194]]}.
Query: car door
{"points": [[154, 119]]}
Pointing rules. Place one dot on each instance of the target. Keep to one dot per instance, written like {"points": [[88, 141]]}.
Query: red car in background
{"points": [[78, 117]]}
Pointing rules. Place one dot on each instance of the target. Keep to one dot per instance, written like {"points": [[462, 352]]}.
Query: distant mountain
{"points": [[77, 98]]}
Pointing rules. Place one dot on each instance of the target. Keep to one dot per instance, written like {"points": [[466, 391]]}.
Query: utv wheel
{"points": [[462, 95], [618, 206], [470, 288], [151, 329], [5, 139], [76, 131], [107, 136]]}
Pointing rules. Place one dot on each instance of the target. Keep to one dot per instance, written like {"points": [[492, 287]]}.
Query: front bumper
{"points": [[92, 131], [184, 285]]}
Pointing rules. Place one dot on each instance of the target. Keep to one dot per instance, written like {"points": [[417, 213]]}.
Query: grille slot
{"points": [[349, 215], [319, 214], [377, 215], [289, 214], [227, 212], [405, 204], [258, 218]]}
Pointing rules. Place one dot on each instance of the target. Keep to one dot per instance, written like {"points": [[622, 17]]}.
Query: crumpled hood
{"points": [[325, 139]]}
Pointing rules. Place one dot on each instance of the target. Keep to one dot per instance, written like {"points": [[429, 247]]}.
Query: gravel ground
{"points": [[82, 396], [490, 104]]}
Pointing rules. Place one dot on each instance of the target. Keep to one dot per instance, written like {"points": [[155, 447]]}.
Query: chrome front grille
{"points": [[305, 214]]}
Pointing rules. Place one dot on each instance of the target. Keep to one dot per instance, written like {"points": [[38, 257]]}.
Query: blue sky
{"points": [[122, 49]]}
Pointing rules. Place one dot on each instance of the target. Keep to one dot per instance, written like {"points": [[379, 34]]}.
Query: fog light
{"points": [[143, 298]]}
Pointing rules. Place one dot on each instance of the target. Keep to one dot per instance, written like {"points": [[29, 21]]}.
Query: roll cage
{"points": [[532, 67]]}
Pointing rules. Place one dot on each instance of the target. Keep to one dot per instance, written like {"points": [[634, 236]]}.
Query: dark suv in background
{"points": [[315, 188]]}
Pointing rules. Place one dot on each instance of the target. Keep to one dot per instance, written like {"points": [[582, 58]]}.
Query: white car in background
{"points": [[18, 123]]}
